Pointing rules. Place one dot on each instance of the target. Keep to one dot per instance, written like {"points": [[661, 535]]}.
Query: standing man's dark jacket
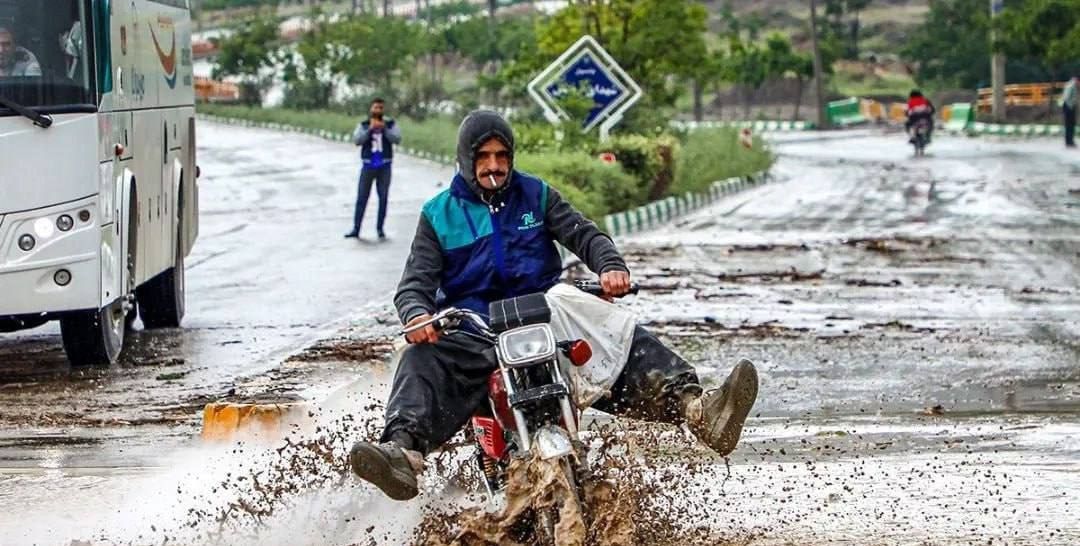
{"points": [[370, 152], [473, 247]]}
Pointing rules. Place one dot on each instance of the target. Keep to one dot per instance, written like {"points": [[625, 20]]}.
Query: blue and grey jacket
{"points": [[378, 155], [472, 248]]}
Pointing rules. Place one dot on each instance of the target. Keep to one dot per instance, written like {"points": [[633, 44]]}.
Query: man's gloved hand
{"points": [[615, 283], [426, 335]]}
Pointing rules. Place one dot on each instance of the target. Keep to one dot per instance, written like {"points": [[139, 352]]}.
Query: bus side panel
{"points": [[190, 205], [148, 162]]}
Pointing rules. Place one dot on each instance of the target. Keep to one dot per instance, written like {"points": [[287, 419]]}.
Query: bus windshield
{"points": [[44, 58]]}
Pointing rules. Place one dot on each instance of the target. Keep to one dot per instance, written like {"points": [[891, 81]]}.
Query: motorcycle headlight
{"points": [[527, 345]]}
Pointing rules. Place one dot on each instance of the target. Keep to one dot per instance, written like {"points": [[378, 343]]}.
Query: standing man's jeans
{"points": [[381, 177], [1070, 125]]}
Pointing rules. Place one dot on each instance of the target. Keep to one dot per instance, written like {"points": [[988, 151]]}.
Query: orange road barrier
{"points": [[208, 90], [224, 421], [898, 112], [1022, 94]]}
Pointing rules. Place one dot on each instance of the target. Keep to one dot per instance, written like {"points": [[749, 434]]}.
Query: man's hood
{"points": [[477, 128]]}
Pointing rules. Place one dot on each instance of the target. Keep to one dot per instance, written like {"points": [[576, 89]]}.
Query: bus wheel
{"points": [[94, 338], [161, 299]]}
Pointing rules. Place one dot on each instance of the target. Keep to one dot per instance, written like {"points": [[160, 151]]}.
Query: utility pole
{"points": [[819, 70], [997, 68]]}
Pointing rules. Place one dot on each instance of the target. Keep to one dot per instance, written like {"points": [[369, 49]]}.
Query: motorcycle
{"points": [[531, 409], [920, 137]]}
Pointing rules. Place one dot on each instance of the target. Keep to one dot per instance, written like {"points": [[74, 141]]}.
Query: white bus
{"points": [[98, 193]]}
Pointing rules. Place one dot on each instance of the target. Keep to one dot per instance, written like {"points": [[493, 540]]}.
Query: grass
{"points": [[858, 85], [437, 134], [709, 155]]}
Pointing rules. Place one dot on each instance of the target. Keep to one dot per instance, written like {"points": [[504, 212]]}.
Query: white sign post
{"points": [[587, 64]]}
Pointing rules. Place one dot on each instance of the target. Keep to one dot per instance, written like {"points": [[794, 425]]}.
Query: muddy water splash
{"points": [[636, 480]]}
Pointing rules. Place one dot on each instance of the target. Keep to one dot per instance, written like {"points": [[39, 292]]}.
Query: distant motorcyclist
{"points": [[919, 108]]}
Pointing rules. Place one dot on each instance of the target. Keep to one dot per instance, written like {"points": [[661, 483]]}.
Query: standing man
{"points": [[1069, 100], [376, 137], [16, 61]]}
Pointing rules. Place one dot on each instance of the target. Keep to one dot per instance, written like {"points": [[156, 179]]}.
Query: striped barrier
{"points": [[321, 133], [661, 212], [1005, 130], [755, 125]]}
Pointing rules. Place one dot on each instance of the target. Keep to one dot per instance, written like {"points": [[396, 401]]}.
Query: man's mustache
{"points": [[486, 174]]}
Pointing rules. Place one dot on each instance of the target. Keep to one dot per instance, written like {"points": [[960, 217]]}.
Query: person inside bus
{"points": [[71, 43], [15, 61]]}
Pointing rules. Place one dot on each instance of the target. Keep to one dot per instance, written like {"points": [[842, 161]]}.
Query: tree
{"points": [[378, 48], [246, 53], [952, 47], [660, 43], [780, 60], [842, 30], [1042, 32]]}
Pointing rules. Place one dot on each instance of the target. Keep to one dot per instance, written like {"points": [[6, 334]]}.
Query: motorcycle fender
{"points": [[551, 442]]}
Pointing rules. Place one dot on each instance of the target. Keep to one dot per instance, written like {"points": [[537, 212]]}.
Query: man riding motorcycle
{"points": [[919, 108], [491, 235]]}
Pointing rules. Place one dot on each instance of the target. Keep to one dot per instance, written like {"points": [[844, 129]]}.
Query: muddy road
{"points": [[916, 324]]}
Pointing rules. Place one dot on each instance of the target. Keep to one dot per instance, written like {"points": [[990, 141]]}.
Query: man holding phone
{"points": [[376, 137]]}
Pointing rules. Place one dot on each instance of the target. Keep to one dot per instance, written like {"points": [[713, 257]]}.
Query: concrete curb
{"points": [[661, 212], [324, 134], [754, 125], [1006, 130]]}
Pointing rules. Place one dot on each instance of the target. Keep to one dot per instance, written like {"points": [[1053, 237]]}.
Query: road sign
{"points": [[588, 66]]}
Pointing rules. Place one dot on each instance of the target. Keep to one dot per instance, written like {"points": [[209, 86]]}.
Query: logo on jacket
{"points": [[528, 221], [168, 62]]}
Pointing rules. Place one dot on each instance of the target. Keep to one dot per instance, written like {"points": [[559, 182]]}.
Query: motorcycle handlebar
{"points": [[596, 289]]}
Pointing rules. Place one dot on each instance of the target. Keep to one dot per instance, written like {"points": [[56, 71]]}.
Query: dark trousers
{"points": [[381, 177], [1070, 125], [437, 388]]}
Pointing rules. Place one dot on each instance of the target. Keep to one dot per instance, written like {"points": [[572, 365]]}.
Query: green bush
{"points": [[708, 155], [650, 159], [594, 187]]}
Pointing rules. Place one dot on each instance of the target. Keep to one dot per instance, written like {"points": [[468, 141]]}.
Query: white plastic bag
{"points": [[608, 328]]}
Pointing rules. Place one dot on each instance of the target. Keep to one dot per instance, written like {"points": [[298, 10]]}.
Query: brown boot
{"points": [[389, 467], [717, 417]]}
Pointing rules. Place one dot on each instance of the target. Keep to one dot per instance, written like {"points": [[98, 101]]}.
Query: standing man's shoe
{"points": [[717, 417], [352, 234], [382, 236], [389, 467]]}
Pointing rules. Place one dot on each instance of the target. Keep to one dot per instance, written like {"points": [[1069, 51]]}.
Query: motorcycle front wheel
{"points": [[567, 516]]}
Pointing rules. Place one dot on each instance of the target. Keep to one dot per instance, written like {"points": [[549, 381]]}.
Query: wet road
{"points": [[917, 329], [916, 324]]}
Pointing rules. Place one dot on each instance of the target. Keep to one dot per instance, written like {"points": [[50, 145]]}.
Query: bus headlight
{"points": [[64, 223], [27, 242]]}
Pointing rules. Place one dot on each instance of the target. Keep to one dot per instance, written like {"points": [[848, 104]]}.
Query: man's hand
{"points": [[615, 283], [375, 123], [426, 335]]}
